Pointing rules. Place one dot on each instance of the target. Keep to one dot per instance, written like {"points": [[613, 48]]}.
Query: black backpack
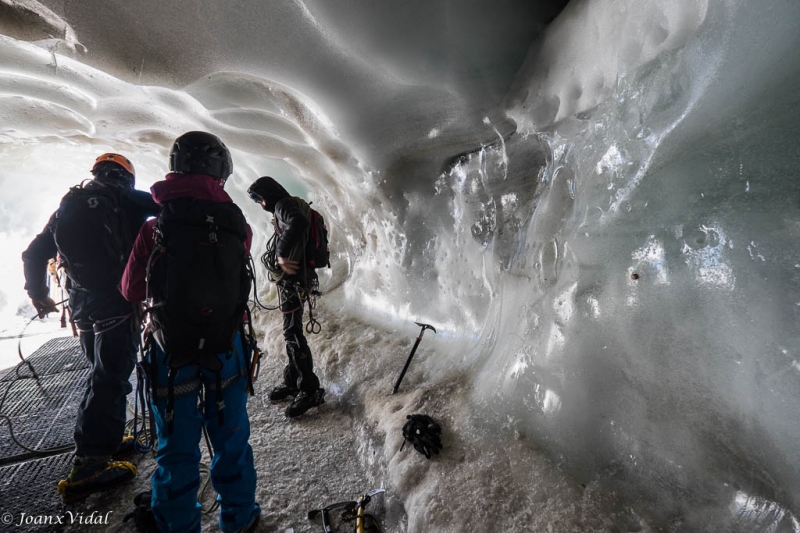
{"points": [[318, 253], [92, 235], [199, 278]]}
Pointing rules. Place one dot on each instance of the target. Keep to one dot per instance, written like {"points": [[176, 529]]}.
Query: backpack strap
{"points": [[158, 251], [305, 208]]}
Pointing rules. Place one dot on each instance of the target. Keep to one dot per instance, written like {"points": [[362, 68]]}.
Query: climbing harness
{"points": [[354, 510], [289, 292], [424, 433]]}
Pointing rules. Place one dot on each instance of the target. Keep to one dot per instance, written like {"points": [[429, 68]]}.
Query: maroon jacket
{"points": [[198, 186]]}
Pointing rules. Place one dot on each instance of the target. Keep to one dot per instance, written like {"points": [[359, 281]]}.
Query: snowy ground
{"points": [[352, 444]]}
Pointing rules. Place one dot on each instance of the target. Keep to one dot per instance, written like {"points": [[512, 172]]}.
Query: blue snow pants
{"points": [[176, 480], [110, 339]]}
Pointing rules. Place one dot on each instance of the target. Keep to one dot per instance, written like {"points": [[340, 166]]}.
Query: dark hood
{"points": [[270, 190]]}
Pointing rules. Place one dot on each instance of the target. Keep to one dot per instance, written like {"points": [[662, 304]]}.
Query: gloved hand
{"points": [[44, 306]]}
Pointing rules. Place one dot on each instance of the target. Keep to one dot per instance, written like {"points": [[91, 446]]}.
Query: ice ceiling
{"points": [[597, 204]]}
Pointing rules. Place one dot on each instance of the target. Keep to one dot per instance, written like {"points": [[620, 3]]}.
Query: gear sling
{"points": [[199, 279]]}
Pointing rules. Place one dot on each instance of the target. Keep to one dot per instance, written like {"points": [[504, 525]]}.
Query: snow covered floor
{"points": [[352, 444]]}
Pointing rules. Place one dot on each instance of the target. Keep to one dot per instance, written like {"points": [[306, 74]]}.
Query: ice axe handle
{"points": [[411, 355]]}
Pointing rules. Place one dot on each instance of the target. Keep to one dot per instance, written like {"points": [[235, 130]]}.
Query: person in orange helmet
{"points": [[92, 233]]}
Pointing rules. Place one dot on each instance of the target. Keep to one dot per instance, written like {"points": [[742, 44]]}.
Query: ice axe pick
{"points": [[414, 349]]}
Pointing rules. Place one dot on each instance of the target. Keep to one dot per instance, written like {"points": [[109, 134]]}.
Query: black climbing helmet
{"points": [[114, 169], [424, 433], [199, 152]]}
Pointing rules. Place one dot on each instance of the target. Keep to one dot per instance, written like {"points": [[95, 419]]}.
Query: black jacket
{"points": [[291, 225], [136, 205]]}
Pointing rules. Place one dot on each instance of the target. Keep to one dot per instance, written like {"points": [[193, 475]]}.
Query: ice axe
{"points": [[414, 349]]}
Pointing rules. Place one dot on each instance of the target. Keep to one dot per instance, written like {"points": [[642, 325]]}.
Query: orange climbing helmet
{"points": [[109, 163]]}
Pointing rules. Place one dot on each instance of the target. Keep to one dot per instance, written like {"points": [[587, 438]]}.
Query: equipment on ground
{"points": [[414, 349], [424, 433], [355, 510]]}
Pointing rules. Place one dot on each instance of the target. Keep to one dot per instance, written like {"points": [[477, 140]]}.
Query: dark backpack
{"points": [[92, 235], [318, 253], [199, 279]]}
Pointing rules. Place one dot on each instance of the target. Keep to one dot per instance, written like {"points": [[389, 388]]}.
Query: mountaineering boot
{"points": [[85, 480], [305, 401], [282, 393]]}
